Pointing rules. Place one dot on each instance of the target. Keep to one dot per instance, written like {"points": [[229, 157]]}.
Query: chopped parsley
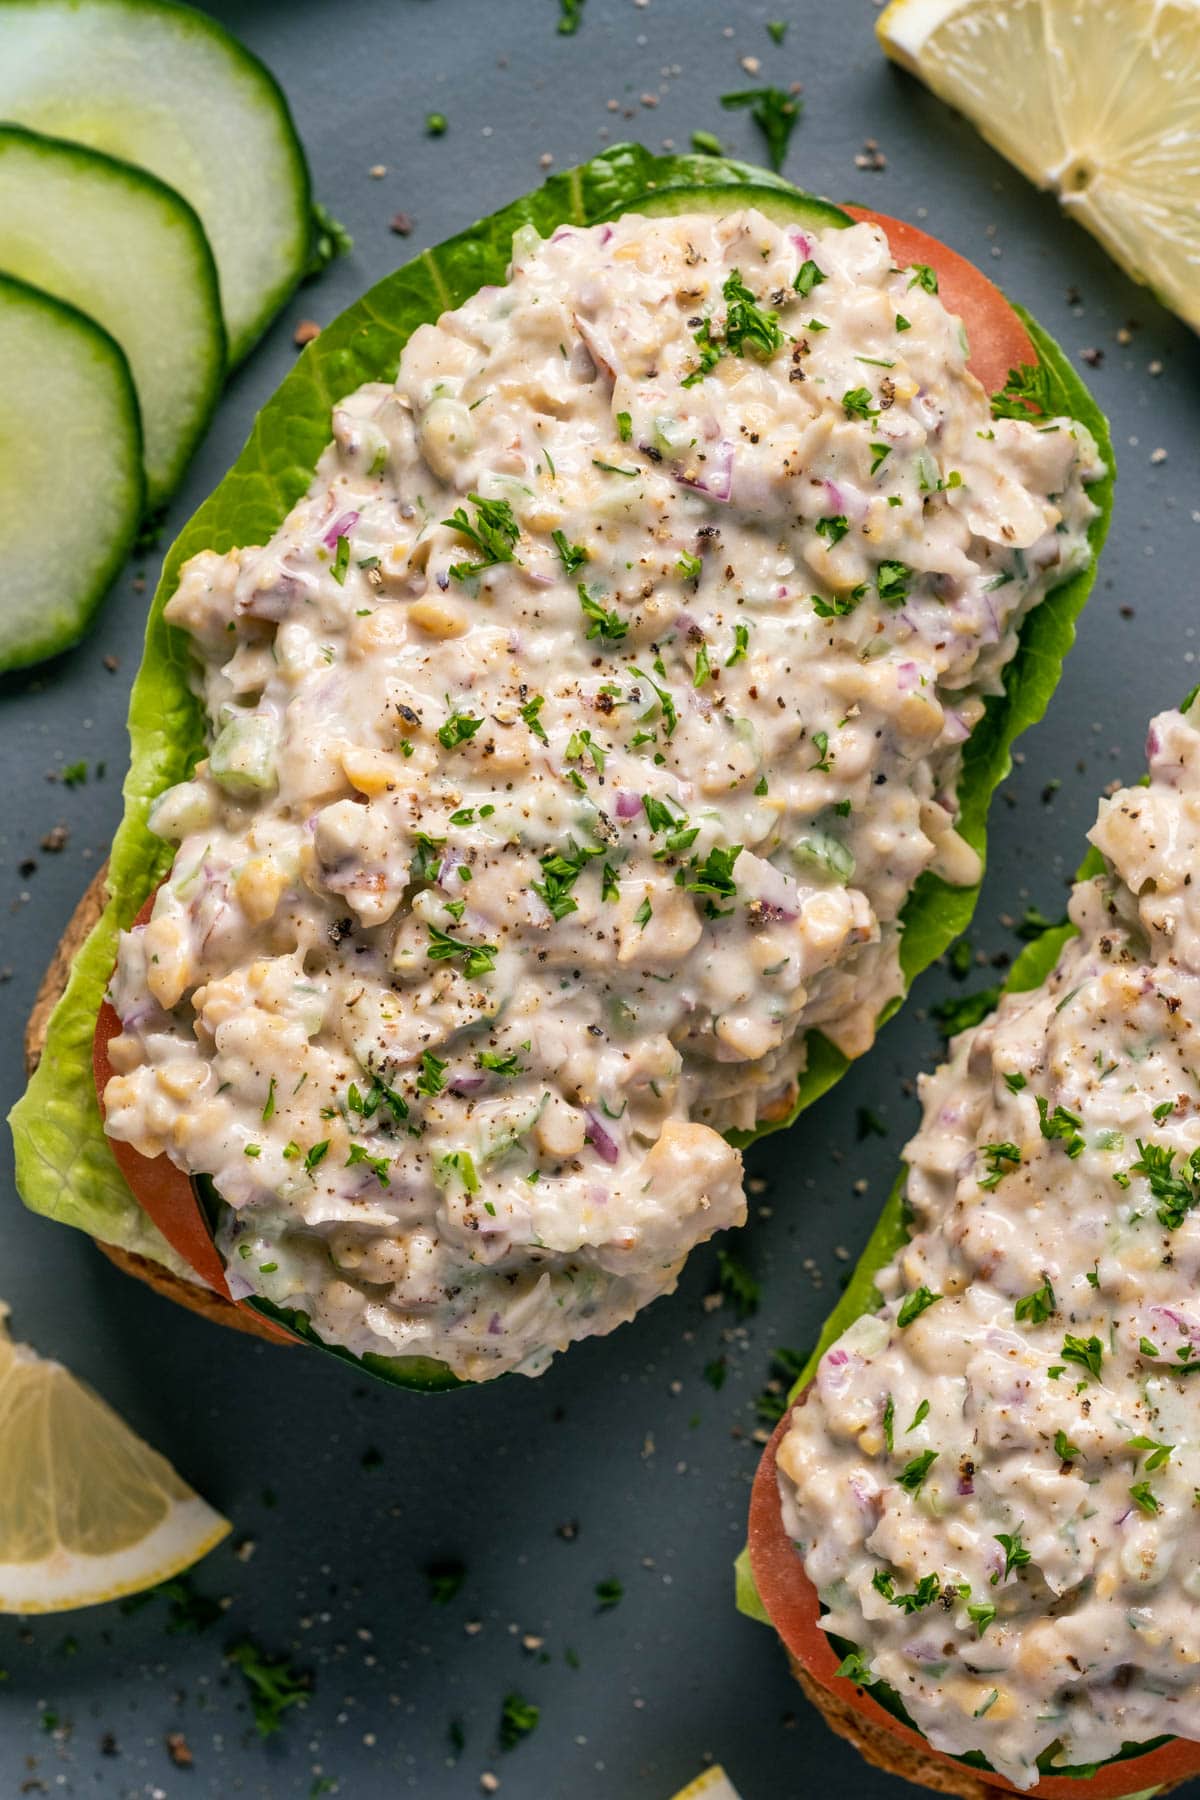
{"points": [[273, 1683], [1087, 1352], [624, 427], [530, 711], [1026, 390], [478, 959], [1144, 1500], [1160, 1454], [1001, 1159], [808, 276], [445, 1578], [609, 1593], [561, 869], [912, 1477], [715, 874], [498, 1062], [432, 1078], [608, 625], [840, 605], [571, 556], [914, 1305], [378, 1165], [1015, 1554], [892, 582], [341, 560], [688, 568], [1060, 1124], [833, 528], [644, 914], [493, 533], [1064, 1449], [459, 729], [921, 1414], [855, 1669], [1174, 1190], [741, 640], [316, 1156], [737, 1284], [964, 1010], [981, 1613], [774, 112], [879, 455], [268, 1111], [1036, 1308], [518, 1717], [856, 404], [820, 741], [923, 276], [748, 328]]}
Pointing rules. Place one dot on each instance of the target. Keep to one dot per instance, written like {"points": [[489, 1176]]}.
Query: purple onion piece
{"points": [[467, 1083], [628, 804], [605, 1146], [340, 528]]}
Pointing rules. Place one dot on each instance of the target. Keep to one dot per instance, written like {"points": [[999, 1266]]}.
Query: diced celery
{"points": [[243, 758], [820, 854]]}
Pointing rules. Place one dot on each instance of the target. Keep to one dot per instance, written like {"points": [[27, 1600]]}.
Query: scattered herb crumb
{"points": [[274, 1685], [518, 1717]]}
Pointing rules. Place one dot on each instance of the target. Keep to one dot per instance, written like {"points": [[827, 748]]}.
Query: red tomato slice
{"points": [[998, 340], [163, 1191], [791, 1601]]}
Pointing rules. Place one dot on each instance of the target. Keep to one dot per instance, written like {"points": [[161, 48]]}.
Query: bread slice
{"points": [[196, 1298], [884, 1750]]}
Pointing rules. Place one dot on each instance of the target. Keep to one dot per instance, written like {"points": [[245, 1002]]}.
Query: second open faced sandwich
{"points": [[978, 1530]]}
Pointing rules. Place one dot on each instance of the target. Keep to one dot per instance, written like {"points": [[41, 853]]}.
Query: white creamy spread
{"points": [[1042, 1478], [576, 742]]}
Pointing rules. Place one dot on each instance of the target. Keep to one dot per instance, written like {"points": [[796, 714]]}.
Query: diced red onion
{"points": [[1153, 742], [966, 1485], [906, 677], [628, 805], [467, 1083], [802, 242], [340, 528], [495, 1327], [605, 1146], [717, 479], [954, 728]]}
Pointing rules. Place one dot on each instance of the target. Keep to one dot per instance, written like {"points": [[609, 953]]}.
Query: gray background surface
{"points": [[345, 1491]]}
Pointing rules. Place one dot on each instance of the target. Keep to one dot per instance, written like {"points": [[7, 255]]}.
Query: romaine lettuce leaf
{"points": [[65, 1168]]}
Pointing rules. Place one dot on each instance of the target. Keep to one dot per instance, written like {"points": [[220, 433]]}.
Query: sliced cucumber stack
{"points": [[121, 246], [71, 487], [167, 88]]}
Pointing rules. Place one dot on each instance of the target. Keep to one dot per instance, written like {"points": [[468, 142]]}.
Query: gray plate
{"points": [[623, 1461]]}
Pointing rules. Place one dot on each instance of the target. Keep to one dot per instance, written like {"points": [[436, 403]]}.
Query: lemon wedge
{"points": [[87, 1510], [1098, 100], [714, 1784]]}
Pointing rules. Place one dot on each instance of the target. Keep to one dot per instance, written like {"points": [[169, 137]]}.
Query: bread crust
{"points": [[880, 1747], [195, 1298]]}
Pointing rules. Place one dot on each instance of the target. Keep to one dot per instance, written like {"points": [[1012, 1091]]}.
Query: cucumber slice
{"points": [[70, 470], [120, 245], [167, 88], [782, 207]]}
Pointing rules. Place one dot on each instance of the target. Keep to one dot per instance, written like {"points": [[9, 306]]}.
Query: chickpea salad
{"points": [[994, 1481], [575, 744]]}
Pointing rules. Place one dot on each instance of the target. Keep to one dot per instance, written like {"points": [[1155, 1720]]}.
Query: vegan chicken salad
{"points": [[991, 1483], [574, 745]]}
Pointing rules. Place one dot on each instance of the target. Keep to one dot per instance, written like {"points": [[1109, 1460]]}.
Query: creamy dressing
{"points": [[576, 742], [1042, 1478]]}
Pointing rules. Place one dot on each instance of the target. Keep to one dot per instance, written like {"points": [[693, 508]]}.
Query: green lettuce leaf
{"points": [[65, 1168]]}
